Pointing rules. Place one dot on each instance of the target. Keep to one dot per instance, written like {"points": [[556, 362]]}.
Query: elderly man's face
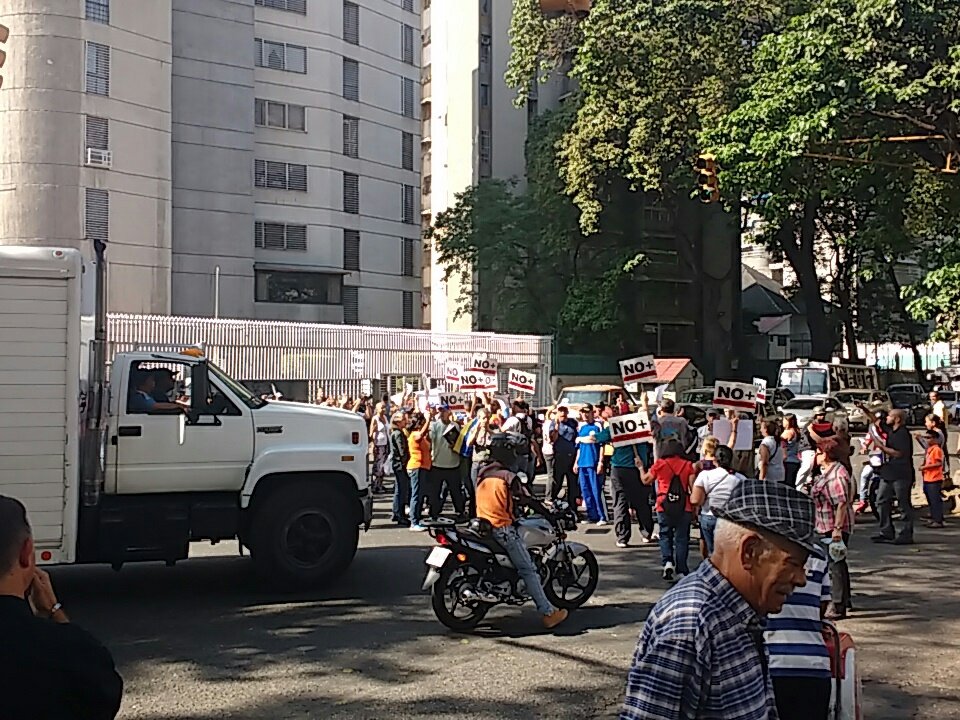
{"points": [[777, 569]]}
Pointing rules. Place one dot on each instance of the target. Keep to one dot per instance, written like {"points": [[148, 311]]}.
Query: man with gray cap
{"points": [[702, 652]]}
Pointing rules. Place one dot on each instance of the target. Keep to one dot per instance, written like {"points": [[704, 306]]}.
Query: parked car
{"points": [[803, 407], [951, 398], [873, 399], [906, 387], [915, 405], [779, 396], [693, 405], [575, 397]]}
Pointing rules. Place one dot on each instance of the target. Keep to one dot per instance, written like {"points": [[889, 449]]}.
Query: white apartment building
{"points": [[247, 158], [471, 127]]}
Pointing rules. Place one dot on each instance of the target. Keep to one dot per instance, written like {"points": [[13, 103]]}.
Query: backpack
{"points": [[675, 499]]}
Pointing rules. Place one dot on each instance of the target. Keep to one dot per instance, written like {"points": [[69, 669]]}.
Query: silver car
{"points": [[873, 400], [803, 406]]}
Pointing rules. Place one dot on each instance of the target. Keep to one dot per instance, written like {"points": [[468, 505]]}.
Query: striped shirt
{"points": [[701, 655], [793, 635]]}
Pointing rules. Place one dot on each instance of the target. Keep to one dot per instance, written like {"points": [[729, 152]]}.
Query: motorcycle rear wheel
{"points": [[568, 591], [446, 599]]}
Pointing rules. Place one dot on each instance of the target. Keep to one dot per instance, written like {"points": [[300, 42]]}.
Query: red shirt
{"points": [[663, 471]]}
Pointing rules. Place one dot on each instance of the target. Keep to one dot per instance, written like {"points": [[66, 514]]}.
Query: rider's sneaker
{"points": [[668, 571], [555, 618]]}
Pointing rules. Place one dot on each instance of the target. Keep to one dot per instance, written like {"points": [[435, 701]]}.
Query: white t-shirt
{"points": [[717, 484], [547, 444], [380, 435]]}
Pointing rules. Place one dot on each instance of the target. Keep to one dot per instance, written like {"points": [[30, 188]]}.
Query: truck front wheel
{"points": [[304, 536]]}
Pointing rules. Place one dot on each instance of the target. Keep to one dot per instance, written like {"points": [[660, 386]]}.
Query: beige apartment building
{"points": [[471, 128], [245, 158]]}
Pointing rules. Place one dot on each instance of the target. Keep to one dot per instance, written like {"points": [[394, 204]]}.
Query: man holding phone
{"points": [[58, 669]]}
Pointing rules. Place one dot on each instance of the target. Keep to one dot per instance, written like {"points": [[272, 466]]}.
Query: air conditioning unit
{"points": [[99, 158]]}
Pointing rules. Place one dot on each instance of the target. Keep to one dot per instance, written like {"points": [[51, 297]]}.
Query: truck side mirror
{"points": [[199, 388]]}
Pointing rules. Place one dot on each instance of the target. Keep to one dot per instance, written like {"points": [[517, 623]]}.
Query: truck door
{"points": [[159, 449]]}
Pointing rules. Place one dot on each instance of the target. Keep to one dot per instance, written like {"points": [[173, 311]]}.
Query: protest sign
{"points": [[630, 429], [455, 401], [483, 365], [638, 369], [471, 381], [735, 395], [452, 374], [522, 381], [723, 428], [761, 389]]}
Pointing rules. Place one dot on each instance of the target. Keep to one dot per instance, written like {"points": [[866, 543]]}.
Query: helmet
{"points": [[506, 447]]}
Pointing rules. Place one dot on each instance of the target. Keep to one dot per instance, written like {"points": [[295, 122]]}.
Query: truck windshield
{"points": [[804, 381], [246, 397]]}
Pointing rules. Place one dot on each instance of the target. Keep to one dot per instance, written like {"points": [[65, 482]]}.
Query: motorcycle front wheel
{"points": [[447, 598], [571, 583]]}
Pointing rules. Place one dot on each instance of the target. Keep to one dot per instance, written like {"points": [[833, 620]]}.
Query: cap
{"points": [[819, 410], [713, 412], [773, 507], [587, 407]]}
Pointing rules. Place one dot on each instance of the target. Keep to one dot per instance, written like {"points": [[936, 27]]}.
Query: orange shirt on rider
{"points": [[494, 501]]}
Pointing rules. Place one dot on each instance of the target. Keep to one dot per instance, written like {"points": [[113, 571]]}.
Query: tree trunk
{"points": [[911, 332], [844, 298], [802, 259]]}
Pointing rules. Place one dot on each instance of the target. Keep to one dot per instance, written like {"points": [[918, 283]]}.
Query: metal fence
{"points": [[336, 359]]}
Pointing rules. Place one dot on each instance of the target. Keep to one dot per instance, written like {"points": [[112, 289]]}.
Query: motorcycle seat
{"points": [[486, 540]]}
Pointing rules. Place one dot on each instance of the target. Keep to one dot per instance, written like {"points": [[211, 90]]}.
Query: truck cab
{"points": [[169, 450]]}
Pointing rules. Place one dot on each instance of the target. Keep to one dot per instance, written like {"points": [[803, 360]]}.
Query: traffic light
{"points": [[4, 34], [707, 181]]}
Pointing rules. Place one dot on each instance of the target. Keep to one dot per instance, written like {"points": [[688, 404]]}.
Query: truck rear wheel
{"points": [[304, 536]]}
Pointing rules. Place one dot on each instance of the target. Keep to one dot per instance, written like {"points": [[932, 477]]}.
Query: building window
{"points": [[406, 151], [351, 136], [97, 133], [280, 56], [279, 236], [279, 175], [286, 116], [485, 149], [351, 249], [351, 23], [298, 288], [351, 305], [406, 93], [98, 69], [484, 7], [351, 193], [426, 184], [297, 6], [98, 11], [408, 204], [484, 95], [407, 309], [407, 5], [351, 79], [96, 218], [407, 256], [406, 44]]}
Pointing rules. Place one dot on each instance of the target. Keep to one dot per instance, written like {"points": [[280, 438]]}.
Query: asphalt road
{"points": [[203, 640]]}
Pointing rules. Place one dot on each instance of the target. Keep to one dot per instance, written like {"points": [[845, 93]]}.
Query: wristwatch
{"points": [[55, 609]]}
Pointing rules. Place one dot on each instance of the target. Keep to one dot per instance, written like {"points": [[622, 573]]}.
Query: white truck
{"points": [[116, 471]]}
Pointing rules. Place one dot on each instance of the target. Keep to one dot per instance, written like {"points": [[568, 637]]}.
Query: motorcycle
{"points": [[469, 572]]}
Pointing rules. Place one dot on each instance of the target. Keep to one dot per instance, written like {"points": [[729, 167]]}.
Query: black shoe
{"points": [[903, 540], [881, 538], [462, 518]]}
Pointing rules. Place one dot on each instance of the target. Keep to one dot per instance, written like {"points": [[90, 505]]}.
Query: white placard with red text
{"points": [[735, 395], [761, 385], [639, 369], [524, 381], [483, 365], [452, 373], [471, 381], [630, 429], [457, 402]]}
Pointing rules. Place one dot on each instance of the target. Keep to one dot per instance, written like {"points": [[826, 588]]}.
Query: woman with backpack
{"points": [[673, 475]]}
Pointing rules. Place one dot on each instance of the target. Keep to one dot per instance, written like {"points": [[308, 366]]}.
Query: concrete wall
{"points": [[42, 149]]}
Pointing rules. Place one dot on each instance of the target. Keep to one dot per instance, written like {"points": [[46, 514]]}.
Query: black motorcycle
{"points": [[469, 572]]}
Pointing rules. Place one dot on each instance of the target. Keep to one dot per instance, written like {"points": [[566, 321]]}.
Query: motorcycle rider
{"points": [[499, 492]]}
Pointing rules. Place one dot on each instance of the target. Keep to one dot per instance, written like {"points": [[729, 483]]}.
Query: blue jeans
{"points": [[934, 499], [592, 492], [675, 540], [401, 492], [708, 526], [417, 476], [509, 538]]}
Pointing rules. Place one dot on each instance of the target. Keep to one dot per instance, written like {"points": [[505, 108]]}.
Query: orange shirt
{"points": [[419, 445], [934, 457], [494, 501]]}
